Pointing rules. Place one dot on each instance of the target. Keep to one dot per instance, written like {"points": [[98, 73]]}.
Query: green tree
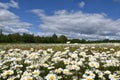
{"points": [[75, 41], [38, 39], [28, 38], [62, 39], [54, 38]]}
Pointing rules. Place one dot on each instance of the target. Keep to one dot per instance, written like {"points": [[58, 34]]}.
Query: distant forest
{"points": [[30, 38]]}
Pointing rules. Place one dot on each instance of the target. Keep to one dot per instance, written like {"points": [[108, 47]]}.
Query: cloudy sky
{"points": [[83, 19]]}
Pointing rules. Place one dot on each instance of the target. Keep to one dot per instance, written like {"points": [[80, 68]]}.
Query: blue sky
{"points": [[88, 19]]}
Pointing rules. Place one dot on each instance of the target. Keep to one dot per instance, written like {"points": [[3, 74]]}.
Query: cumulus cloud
{"points": [[39, 12], [10, 22], [80, 25], [116, 0], [81, 4], [12, 4]]}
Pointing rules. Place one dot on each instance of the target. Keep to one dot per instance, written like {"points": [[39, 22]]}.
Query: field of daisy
{"points": [[60, 61]]}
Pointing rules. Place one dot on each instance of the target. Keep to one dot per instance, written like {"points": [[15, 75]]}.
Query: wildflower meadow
{"points": [[85, 62]]}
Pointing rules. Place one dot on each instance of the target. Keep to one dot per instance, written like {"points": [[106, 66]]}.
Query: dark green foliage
{"points": [[62, 39], [30, 38]]}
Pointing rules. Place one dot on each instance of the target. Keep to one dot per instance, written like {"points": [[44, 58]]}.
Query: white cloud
{"points": [[12, 4], [116, 0], [81, 4], [39, 12], [10, 23], [80, 25]]}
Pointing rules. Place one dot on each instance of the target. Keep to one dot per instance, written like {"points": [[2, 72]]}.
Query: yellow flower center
{"points": [[92, 64], [29, 78], [12, 79], [89, 79], [52, 77], [35, 73], [8, 72], [115, 77], [67, 62]]}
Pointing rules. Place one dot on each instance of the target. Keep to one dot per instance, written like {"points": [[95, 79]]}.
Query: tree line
{"points": [[30, 38]]}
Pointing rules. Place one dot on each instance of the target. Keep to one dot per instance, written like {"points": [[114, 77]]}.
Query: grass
{"points": [[60, 47]]}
